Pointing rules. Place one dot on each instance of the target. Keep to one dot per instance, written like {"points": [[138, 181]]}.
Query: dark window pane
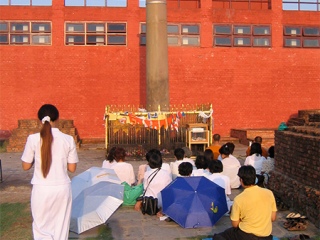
{"points": [[261, 42], [242, 30], [241, 41], [116, 40], [187, 29], [95, 27], [292, 42], [3, 38], [41, 39], [143, 28], [222, 41], [143, 40], [41, 27], [173, 29], [173, 41], [222, 29], [310, 31], [19, 38], [311, 43], [95, 39], [292, 31], [115, 28], [75, 27], [19, 27], [257, 30], [75, 39], [3, 27]]}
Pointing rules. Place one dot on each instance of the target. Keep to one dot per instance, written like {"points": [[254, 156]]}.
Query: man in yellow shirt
{"points": [[253, 211]]}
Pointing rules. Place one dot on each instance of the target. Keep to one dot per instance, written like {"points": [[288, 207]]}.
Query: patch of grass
{"points": [[15, 221], [104, 233]]}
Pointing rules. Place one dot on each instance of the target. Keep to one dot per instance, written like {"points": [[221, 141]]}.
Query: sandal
{"points": [[290, 215], [304, 236], [297, 227], [289, 223]]}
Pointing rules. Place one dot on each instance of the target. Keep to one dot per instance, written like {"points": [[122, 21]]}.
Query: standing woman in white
{"points": [[53, 154]]}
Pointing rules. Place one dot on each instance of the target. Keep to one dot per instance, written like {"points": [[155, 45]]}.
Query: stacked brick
{"points": [[296, 177], [29, 126]]}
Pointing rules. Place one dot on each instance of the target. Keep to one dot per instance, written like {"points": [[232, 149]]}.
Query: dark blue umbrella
{"points": [[194, 202]]}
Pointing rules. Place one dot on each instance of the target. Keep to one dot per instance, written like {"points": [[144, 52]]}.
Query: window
{"points": [[242, 4], [301, 5], [178, 34], [96, 3], [92, 33], [142, 3], [241, 35], [25, 33], [298, 36], [26, 2]]}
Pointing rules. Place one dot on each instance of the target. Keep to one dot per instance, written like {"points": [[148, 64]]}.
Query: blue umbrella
{"points": [[194, 202]]}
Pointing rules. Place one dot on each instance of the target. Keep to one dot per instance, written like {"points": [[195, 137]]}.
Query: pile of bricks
{"points": [[26, 127], [296, 177]]}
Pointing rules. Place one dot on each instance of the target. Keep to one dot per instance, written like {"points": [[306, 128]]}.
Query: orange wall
{"points": [[248, 87]]}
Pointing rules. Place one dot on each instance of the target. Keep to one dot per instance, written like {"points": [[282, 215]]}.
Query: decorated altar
{"points": [[134, 127]]}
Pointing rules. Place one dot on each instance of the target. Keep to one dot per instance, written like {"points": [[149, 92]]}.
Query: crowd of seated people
{"points": [[222, 170]]}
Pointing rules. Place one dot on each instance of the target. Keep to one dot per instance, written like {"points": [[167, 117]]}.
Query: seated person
{"points": [[218, 178], [231, 166], [185, 169], [268, 165], [258, 139], [231, 148], [123, 169], [160, 180], [145, 167], [180, 157], [201, 165], [249, 222], [215, 146], [110, 161], [256, 160]]}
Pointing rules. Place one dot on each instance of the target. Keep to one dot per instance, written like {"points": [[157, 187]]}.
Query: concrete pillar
{"points": [[157, 56]]}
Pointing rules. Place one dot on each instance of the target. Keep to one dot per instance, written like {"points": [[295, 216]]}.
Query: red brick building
{"points": [[255, 62]]}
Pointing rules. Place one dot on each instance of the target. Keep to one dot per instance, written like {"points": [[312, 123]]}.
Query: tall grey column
{"points": [[157, 56]]}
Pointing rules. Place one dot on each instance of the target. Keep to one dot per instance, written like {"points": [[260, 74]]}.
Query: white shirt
{"points": [[175, 166], [231, 167], [221, 180], [255, 161], [125, 172], [159, 182], [63, 152], [107, 164], [200, 172]]}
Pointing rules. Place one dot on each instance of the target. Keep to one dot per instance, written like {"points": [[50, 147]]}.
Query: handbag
{"points": [[131, 193], [150, 204]]}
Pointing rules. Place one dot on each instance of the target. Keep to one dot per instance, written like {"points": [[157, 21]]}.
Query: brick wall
{"points": [[296, 177], [248, 87], [26, 127]]}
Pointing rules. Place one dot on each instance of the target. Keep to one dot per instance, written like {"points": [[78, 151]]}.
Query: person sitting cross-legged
{"points": [[218, 178], [253, 211]]}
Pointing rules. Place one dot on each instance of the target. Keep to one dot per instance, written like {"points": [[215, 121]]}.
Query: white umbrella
{"points": [[94, 205], [90, 177]]}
